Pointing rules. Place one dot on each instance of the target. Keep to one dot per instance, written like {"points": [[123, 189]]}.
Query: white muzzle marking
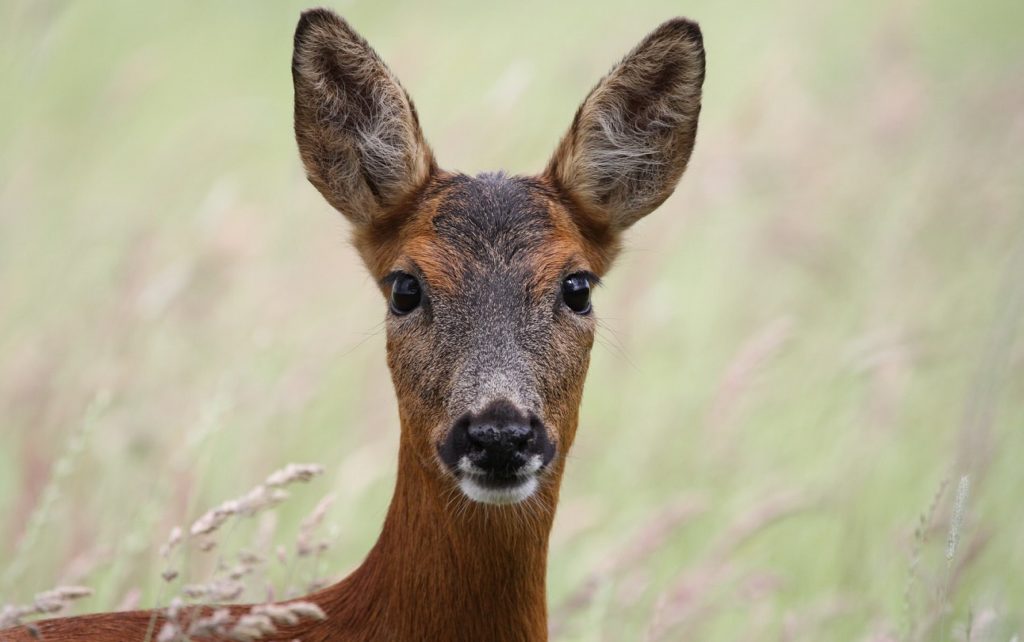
{"points": [[472, 485]]}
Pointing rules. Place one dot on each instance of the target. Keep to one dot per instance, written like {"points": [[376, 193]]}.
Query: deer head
{"points": [[487, 279]]}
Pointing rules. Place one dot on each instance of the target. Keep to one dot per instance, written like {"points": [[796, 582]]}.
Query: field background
{"points": [[801, 351]]}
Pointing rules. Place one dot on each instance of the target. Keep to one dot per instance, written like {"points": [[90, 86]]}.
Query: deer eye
{"points": [[405, 294], [576, 293]]}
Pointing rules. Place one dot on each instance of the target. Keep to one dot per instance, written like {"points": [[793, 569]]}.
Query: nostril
{"points": [[519, 436]]}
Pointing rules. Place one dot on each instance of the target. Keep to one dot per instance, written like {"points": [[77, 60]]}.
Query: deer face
{"points": [[487, 279], [489, 329]]}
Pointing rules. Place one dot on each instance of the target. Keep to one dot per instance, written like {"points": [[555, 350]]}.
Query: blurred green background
{"points": [[800, 352]]}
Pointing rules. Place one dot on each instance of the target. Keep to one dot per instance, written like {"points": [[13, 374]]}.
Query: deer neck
{"points": [[448, 568]]}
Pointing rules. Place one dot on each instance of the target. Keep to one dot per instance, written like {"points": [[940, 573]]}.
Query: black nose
{"points": [[498, 441], [497, 446]]}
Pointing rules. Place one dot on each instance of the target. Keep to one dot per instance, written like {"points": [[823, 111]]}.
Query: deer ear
{"points": [[357, 129], [632, 136]]}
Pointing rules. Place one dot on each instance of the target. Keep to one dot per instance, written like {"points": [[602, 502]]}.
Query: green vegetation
{"points": [[807, 346]]}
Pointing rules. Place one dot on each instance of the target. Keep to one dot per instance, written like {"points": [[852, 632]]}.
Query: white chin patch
{"points": [[504, 495]]}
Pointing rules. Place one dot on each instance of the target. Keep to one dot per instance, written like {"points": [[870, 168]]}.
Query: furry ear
{"points": [[632, 136], [357, 130]]}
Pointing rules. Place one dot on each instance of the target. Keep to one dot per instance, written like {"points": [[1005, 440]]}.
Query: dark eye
{"points": [[405, 294], [576, 293]]}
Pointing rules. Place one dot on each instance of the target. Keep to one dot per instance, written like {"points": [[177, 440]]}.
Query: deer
{"points": [[489, 327]]}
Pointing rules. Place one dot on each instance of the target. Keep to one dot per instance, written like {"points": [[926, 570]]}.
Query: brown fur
{"points": [[357, 129], [632, 137], [491, 253]]}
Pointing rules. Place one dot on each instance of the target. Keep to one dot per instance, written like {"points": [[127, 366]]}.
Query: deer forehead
{"points": [[491, 231]]}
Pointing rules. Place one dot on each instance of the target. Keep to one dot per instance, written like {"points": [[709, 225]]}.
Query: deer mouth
{"points": [[499, 487]]}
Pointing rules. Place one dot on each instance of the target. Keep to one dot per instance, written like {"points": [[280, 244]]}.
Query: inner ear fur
{"points": [[358, 133], [632, 137]]}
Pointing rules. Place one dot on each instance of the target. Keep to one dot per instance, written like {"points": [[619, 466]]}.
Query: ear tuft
{"points": [[632, 137], [357, 129], [309, 19]]}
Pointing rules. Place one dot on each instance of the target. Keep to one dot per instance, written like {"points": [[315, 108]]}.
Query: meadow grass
{"points": [[801, 353]]}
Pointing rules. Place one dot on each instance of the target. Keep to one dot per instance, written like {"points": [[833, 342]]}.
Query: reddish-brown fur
{"points": [[444, 567]]}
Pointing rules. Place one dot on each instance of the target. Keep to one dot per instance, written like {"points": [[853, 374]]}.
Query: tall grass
{"points": [[796, 349]]}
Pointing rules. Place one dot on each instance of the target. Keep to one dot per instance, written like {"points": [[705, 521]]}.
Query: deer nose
{"points": [[501, 442], [499, 448]]}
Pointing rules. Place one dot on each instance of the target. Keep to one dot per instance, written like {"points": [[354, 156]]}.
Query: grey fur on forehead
{"points": [[493, 216], [495, 332]]}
